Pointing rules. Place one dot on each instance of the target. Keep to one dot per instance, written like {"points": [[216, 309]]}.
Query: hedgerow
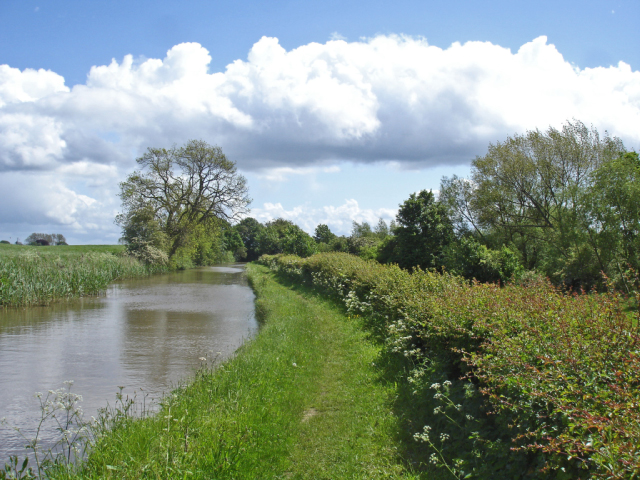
{"points": [[526, 381]]}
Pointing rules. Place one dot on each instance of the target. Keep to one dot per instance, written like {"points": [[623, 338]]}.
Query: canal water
{"points": [[145, 335]]}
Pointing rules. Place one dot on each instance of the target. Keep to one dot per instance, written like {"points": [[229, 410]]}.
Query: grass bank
{"points": [[39, 275], [301, 400]]}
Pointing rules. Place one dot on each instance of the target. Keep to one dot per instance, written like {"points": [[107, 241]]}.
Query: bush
{"points": [[147, 253], [472, 260], [558, 374]]}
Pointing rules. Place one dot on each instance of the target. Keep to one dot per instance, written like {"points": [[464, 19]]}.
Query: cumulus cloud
{"points": [[389, 98], [385, 99], [339, 219]]}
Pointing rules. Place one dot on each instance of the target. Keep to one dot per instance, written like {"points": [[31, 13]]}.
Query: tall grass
{"points": [[39, 275]]}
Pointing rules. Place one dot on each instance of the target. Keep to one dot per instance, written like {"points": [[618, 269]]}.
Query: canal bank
{"points": [[145, 334], [301, 400]]}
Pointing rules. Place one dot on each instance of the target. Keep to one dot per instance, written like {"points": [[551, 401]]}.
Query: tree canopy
{"points": [[421, 232], [46, 239], [181, 195], [564, 199]]}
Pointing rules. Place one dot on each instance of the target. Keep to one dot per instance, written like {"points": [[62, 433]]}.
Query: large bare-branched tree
{"points": [[179, 190]]}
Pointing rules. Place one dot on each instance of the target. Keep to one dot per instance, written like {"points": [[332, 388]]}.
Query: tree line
{"points": [[564, 203]]}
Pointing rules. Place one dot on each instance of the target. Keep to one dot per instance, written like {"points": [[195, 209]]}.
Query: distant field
{"points": [[61, 249], [39, 275]]}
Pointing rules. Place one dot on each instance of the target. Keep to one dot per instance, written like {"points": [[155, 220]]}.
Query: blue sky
{"points": [[335, 111]]}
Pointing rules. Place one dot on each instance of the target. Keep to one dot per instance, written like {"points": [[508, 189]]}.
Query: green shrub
{"points": [[524, 380]]}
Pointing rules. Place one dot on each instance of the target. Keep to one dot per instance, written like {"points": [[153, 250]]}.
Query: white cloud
{"points": [[385, 99], [28, 85], [389, 98], [282, 174], [339, 219], [39, 200]]}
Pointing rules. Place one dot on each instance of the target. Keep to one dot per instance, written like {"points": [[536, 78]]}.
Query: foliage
{"points": [[248, 229], [422, 232], [46, 239], [323, 234], [382, 230], [472, 260], [564, 199], [613, 221], [233, 244], [538, 383], [283, 236], [178, 192], [361, 230]]}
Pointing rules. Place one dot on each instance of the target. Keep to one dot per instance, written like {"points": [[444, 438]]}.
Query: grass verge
{"points": [[301, 400]]}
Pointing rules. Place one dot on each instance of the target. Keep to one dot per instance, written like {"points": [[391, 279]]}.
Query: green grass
{"points": [[303, 399], [39, 275], [62, 250]]}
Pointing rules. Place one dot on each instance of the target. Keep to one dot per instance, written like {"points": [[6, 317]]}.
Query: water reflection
{"points": [[147, 333]]}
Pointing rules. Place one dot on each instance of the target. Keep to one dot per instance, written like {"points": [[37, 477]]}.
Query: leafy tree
{"points": [[457, 195], [323, 234], [283, 236], [249, 229], [423, 230], [535, 193], [233, 243], [381, 230], [46, 239], [613, 219], [180, 191], [361, 230], [472, 260], [298, 242]]}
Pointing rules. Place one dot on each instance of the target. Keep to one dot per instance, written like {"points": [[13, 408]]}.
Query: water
{"points": [[147, 334]]}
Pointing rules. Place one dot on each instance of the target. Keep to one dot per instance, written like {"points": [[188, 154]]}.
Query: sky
{"points": [[334, 111]]}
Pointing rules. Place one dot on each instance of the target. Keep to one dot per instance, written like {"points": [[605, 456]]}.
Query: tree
{"points": [[361, 230], [233, 244], [323, 234], [249, 229], [537, 193], [613, 218], [381, 230], [180, 191], [283, 236], [46, 239], [423, 231]]}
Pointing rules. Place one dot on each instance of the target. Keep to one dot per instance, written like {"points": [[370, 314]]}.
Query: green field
{"points": [[62, 250], [32, 275]]}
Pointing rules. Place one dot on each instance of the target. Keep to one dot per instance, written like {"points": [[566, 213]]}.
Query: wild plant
{"points": [[61, 409]]}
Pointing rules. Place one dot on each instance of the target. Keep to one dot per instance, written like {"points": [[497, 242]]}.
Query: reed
{"points": [[40, 275]]}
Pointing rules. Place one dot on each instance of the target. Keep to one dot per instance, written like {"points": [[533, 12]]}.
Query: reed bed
{"points": [[40, 275]]}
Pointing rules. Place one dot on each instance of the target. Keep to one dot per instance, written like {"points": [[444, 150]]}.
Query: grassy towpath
{"points": [[301, 400], [347, 429]]}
